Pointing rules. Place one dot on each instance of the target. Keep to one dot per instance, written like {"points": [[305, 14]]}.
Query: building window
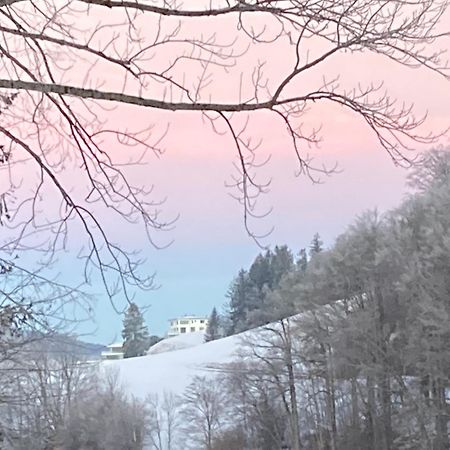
{"points": [[202, 321], [202, 328], [192, 329], [183, 330]]}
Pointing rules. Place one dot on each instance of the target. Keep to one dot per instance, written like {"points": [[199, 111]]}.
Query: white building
{"points": [[187, 324], [115, 351]]}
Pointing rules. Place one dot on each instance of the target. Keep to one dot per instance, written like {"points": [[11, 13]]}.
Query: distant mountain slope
{"points": [[63, 344]]}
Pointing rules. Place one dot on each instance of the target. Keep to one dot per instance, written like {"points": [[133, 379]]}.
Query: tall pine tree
{"points": [[243, 296], [281, 263], [213, 328], [136, 338], [316, 245], [302, 260]]}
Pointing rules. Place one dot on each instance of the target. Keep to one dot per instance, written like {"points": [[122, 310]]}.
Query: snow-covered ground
{"points": [[174, 364], [179, 342]]}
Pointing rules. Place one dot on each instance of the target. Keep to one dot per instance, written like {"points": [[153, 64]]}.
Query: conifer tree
{"points": [[302, 260], [249, 291], [212, 330], [243, 298], [316, 245], [260, 272], [136, 338], [281, 263]]}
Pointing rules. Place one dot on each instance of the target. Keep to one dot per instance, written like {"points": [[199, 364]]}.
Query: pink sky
{"points": [[210, 243]]}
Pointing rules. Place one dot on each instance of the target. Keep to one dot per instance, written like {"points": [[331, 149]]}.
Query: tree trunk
{"points": [[319, 426], [372, 414], [384, 373], [294, 416], [386, 411], [355, 406], [441, 420], [330, 399], [295, 431]]}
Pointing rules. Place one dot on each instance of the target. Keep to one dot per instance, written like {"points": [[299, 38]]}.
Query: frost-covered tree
{"points": [[135, 333], [302, 260], [204, 411], [281, 262], [316, 245], [365, 364]]}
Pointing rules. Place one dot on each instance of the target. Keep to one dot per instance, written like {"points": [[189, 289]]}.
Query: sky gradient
{"points": [[209, 243]]}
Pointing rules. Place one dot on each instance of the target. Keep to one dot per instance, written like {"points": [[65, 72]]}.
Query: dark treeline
{"points": [[356, 355], [250, 294]]}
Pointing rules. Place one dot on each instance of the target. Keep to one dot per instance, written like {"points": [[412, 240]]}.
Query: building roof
{"points": [[112, 353], [189, 317]]}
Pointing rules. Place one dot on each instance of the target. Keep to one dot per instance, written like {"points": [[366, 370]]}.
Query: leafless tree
{"points": [[38, 393], [255, 405], [204, 409], [66, 67], [293, 359], [163, 421], [273, 347], [104, 418]]}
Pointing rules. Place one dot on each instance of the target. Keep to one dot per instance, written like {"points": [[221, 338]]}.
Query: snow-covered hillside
{"points": [[179, 342], [173, 370]]}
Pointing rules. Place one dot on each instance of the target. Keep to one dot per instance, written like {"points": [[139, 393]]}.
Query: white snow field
{"points": [[173, 364], [179, 342]]}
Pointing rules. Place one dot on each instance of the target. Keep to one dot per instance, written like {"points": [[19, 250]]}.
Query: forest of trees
{"points": [[250, 301], [356, 355], [52, 398], [353, 349], [249, 294], [351, 352]]}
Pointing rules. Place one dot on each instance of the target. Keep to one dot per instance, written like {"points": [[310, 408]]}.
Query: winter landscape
{"points": [[224, 225]]}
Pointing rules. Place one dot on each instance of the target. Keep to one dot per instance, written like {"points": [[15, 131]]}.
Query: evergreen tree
{"points": [[212, 330], [281, 263], [249, 293], [302, 260], [136, 339], [260, 272], [243, 297], [316, 245]]}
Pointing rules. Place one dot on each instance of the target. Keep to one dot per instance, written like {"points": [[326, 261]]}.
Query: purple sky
{"points": [[210, 244], [209, 240]]}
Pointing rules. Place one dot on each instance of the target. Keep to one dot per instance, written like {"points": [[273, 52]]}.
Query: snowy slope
{"points": [[178, 342], [172, 371]]}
